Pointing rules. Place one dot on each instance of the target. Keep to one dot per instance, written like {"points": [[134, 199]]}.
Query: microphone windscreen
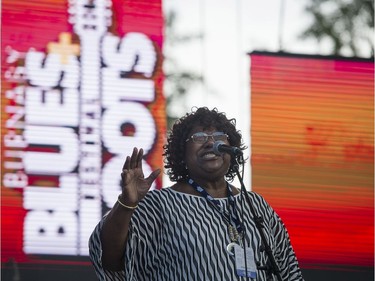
{"points": [[216, 147]]}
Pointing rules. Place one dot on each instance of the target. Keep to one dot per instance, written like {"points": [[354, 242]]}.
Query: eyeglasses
{"points": [[202, 137]]}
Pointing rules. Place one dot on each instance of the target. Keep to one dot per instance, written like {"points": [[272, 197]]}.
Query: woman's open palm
{"points": [[134, 185]]}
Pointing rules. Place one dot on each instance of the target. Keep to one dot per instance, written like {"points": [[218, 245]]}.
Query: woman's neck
{"points": [[215, 189]]}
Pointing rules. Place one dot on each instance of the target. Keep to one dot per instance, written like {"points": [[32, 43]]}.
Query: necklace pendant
{"points": [[233, 233]]}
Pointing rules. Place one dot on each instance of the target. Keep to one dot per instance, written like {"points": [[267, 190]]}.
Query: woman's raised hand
{"points": [[134, 185]]}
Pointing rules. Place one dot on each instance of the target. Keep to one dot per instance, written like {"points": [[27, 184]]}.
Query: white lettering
{"points": [[125, 89], [44, 71], [11, 139], [132, 113], [48, 232], [62, 105], [15, 180], [135, 52], [63, 161], [62, 197], [15, 121]]}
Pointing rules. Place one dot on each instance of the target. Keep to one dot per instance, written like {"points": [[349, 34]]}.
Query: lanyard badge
{"points": [[235, 229], [244, 257]]}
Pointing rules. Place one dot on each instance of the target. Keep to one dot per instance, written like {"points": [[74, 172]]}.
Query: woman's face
{"points": [[200, 159]]}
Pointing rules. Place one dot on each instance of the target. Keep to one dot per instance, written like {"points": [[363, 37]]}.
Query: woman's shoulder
{"points": [[157, 195], [258, 198], [165, 191]]}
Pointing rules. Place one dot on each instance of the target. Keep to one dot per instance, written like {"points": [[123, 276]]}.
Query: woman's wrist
{"points": [[120, 202]]}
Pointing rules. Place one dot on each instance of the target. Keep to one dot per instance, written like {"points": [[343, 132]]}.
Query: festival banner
{"points": [[81, 86]]}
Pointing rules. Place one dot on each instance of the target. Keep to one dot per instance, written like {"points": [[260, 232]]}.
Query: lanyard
{"points": [[216, 205]]}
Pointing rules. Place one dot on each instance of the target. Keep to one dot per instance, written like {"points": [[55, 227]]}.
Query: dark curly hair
{"points": [[174, 149]]}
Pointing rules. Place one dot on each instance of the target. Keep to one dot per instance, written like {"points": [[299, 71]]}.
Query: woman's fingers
{"points": [[134, 158], [126, 165], [133, 161], [150, 179], [132, 171], [139, 160]]}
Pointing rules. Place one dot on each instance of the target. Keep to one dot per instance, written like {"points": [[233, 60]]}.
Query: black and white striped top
{"points": [[176, 236]]}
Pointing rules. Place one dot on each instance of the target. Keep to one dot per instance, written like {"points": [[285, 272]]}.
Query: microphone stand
{"points": [[271, 266]]}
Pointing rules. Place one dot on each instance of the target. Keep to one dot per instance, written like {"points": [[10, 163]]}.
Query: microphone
{"points": [[220, 147]]}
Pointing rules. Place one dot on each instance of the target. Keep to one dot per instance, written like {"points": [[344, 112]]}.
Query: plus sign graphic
{"points": [[64, 47]]}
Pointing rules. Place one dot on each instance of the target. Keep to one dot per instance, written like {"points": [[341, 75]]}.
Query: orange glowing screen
{"points": [[312, 136]]}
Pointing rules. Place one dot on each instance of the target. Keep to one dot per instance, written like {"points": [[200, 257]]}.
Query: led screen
{"points": [[82, 85], [313, 153]]}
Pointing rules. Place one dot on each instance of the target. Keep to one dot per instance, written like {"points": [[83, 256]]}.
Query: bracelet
{"points": [[125, 206]]}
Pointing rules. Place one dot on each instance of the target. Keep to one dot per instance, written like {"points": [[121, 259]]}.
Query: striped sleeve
{"points": [[283, 251], [140, 247], [278, 239], [95, 251]]}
